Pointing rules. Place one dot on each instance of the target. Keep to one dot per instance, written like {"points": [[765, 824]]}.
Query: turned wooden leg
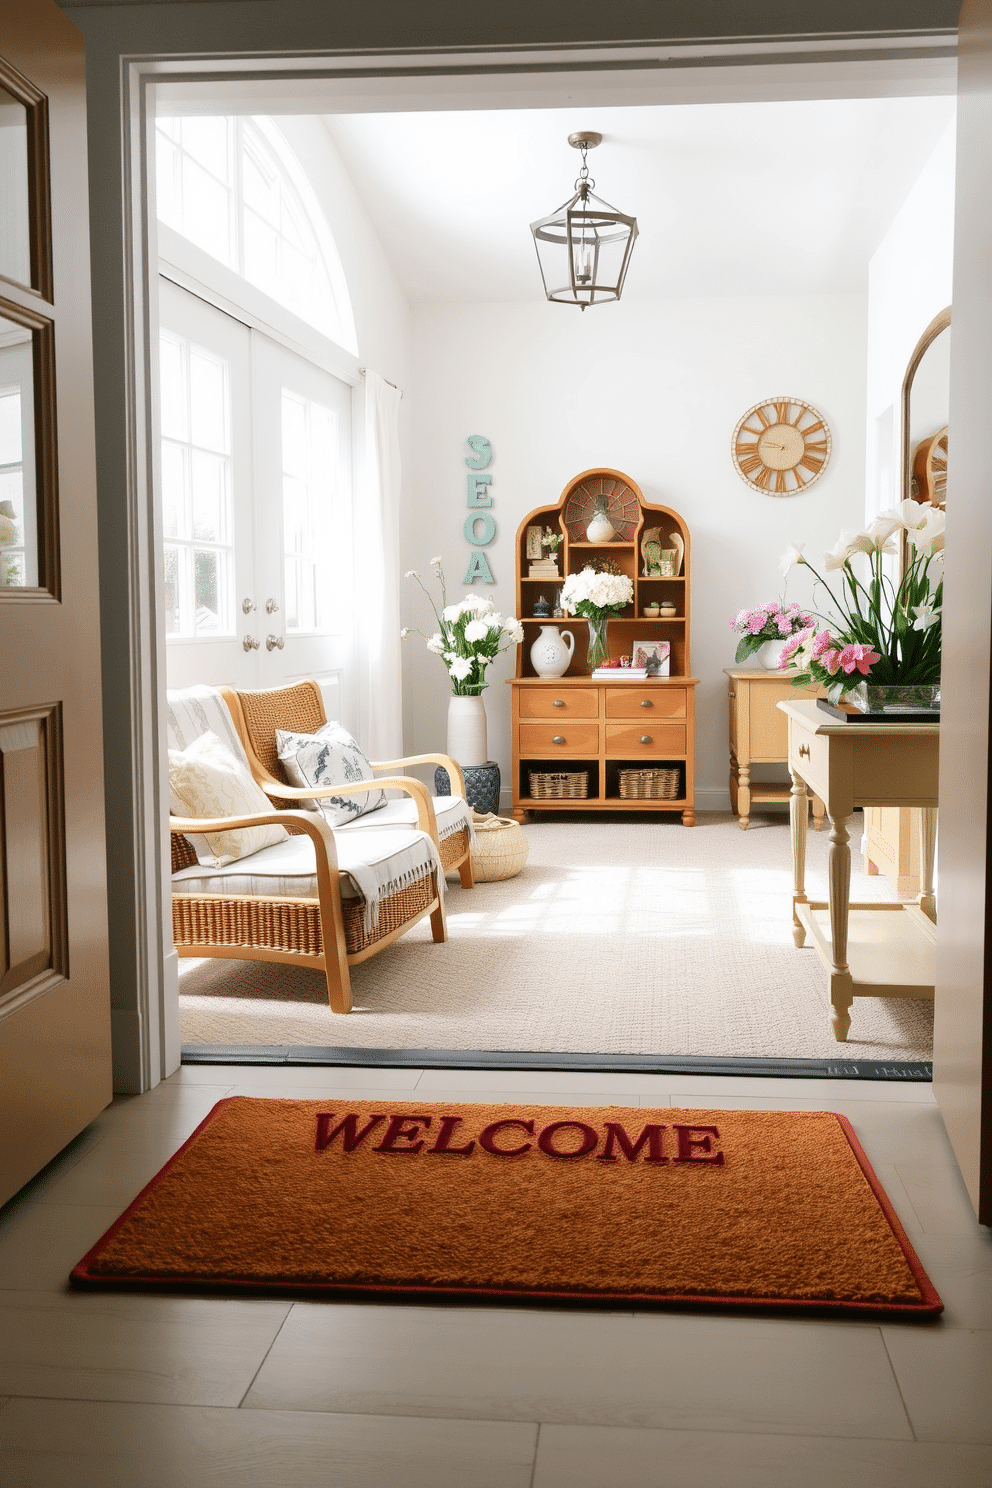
{"points": [[819, 813], [928, 848], [839, 881], [744, 796], [688, 817], [798, 812], [519, 814], [439, 924], [466, 874], [733, 784]]}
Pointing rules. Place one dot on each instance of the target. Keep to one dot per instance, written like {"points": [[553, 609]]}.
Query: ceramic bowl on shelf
{"points": [[651, 612]]}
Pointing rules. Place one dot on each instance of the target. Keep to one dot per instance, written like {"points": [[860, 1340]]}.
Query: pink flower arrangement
{"points": [[769, 622], [819, 647]]}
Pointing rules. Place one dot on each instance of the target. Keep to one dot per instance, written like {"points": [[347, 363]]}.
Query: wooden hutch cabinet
{"points": [[574, 726]]}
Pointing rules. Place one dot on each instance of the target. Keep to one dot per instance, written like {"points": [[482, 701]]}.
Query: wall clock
{"points": [[781, 446], [930, 470]]}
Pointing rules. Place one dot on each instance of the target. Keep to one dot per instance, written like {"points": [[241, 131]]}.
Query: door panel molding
{"points": [[46, 456], [39, 178]]}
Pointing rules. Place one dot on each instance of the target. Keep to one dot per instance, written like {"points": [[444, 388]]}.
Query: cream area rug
{"points": [[620, 936]]}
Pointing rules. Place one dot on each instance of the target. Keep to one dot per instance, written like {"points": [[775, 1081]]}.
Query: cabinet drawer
{"points": [[654, 739], [558, 702], [563, 738], [646, 702]]}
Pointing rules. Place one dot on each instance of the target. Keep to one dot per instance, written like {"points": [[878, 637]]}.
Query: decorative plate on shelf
{"points": [[622, 508]]}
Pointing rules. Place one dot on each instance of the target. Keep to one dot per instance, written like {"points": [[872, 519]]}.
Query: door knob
{"points": [[247, 605], [558, 739], [250, 643], [273, 643], [271, 608], [646, 739]]}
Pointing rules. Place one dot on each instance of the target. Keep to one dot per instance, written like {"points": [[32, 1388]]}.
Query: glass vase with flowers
{"points": [[881, 650], [597, 595]]}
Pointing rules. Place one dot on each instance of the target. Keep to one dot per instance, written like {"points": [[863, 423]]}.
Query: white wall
{"points": [[909, 282], [655, 390]]}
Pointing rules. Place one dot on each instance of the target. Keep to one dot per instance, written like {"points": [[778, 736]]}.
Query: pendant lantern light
{"points": [[584, 247]]}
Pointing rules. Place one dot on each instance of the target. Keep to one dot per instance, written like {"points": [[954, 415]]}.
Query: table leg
{"points": [[798, 813], [839, 890], [819, 813], [928, 847], [743, 795]]}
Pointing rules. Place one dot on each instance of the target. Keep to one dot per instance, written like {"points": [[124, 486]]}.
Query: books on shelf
{"points": [[543, 568], [619, 674]]}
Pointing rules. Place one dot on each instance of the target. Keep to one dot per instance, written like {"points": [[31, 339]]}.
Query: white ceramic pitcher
{"points": [[552, 651]]}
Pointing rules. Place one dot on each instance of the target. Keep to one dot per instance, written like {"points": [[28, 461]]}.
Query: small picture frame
{"points": [[641, 650], [533, 542]]}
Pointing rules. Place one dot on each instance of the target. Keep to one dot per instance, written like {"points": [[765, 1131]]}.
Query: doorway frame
{"points": [[144, 968]]}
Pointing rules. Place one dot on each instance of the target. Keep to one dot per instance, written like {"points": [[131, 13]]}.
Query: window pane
{"points": [[173, 591], [15, 233], [208, 140], [260, 254], [295, 455], [168, 193], [208, 596], [174, 505], [172, 380], [206, 212], [18, 490], [209, 497], [208, 401]]}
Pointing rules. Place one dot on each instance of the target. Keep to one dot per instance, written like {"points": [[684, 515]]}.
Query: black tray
{"points": [[848, 713]]}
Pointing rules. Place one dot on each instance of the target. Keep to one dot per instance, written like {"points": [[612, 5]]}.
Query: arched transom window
{"points": [[234, 188]]}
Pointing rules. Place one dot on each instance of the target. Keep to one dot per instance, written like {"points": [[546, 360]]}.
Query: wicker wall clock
{"points": [[930, 470], [781, 446]]}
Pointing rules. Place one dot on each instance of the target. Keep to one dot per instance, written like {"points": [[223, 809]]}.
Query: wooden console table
{"points": [[869, 950], [759, 735]]}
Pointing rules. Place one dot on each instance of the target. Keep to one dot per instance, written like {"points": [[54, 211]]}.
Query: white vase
{"points": [[600, 529], [551, 652], [467, 741], [769, 654]]}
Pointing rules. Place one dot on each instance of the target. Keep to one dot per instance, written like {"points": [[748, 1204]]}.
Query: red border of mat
{"points": [[930, 1305]]}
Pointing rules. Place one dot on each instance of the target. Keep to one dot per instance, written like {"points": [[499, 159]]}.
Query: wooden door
{"points": [[962, 1043], [55, 1058]]}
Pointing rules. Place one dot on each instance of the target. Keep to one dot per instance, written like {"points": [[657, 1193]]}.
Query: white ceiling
{"points": [[730, 198]]}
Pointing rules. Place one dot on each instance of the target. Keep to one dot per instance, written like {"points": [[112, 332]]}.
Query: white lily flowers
{"points": [[791, 557], [469, 635]]}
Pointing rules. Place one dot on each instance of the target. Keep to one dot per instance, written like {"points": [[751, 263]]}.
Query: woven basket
{"points": [[570, 786], [500, 848], [650, 785]]}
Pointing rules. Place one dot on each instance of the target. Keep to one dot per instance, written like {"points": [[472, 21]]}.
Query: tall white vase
{"points": [[467, 740]]}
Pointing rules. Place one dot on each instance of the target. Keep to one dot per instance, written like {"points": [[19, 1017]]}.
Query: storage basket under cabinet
{"points": [[632, 739]]}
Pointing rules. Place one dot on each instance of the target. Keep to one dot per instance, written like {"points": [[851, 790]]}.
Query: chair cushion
{"points": [[327, 758], [191, 712], [372, 865], [452, 814], [207, 779]]}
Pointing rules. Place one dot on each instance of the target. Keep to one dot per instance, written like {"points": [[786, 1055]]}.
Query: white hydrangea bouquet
{"points": [[596, 596], [469, 635]]}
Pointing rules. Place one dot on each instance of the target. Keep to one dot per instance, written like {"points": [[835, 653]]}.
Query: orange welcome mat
{"points": [[769, 1209]]}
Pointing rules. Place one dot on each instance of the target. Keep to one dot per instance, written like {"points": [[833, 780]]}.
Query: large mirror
{"points": [[925, 401]]}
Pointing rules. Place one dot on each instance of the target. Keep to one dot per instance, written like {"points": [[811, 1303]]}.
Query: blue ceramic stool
{"points": [[481, 785]]}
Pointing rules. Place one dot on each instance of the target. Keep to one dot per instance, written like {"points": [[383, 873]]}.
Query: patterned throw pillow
{"points": [[206, 779], [329, 757]]}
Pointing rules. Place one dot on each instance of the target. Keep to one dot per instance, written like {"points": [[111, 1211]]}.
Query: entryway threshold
{"points": [[515, 1059]]}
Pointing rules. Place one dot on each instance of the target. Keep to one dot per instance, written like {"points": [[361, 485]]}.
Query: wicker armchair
{"points": [[300, 709], [320, 928]]}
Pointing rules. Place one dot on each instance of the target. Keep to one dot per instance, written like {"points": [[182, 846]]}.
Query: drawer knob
{"points": [[558, 739], [558, 703], [646, 703], [804, 751], [646, 739]]}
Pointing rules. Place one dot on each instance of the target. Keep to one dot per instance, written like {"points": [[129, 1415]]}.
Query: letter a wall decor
{"points": [[479, 528]]}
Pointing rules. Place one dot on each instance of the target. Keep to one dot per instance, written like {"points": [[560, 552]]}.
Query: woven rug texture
{"points": [[619, 937], [757, 1207]]}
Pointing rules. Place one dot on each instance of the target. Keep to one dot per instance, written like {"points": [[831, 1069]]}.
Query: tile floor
{"points": [[105, 1391]]}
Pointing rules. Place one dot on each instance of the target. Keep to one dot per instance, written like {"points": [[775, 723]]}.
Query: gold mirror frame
{"points": [[937, 325]]}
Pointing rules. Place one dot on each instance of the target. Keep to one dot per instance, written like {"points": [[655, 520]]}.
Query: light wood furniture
{"points": [[892, 846], [869, 950], [759, 735], [575, 723], [322, 931]]}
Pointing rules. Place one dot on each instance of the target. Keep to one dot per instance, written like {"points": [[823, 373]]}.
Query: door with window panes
{"points": [[256, 503]]}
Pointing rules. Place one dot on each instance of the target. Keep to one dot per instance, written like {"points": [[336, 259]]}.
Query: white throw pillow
{"points": [[206, 779], [327, 758]]}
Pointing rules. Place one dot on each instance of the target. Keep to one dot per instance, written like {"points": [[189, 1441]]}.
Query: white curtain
{"points": [[377, 574]]}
